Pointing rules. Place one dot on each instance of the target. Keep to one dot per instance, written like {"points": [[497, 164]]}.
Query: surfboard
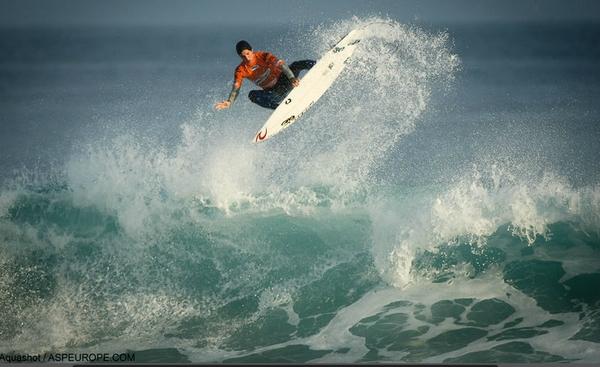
{"points": [[312, 86]]}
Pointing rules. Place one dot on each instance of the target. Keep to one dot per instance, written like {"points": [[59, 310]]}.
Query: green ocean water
{"points": [[275, 287]]}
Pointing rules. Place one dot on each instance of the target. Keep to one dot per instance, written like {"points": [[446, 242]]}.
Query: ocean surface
{"points": [[440, 203]]}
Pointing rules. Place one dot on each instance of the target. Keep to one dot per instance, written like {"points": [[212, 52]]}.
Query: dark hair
{"points": [[241, 46]]}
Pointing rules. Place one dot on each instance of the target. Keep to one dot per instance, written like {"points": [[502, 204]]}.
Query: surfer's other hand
{"points": [[295, 82], [222, 105]]}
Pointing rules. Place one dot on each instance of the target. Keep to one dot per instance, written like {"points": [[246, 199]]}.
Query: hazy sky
{"points": [[136, 12]]}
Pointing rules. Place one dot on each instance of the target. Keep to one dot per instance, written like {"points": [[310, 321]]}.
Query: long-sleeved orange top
{"points": [[264, 72]]}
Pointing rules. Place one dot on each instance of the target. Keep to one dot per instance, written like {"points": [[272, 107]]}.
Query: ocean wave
{"points": [[474, 209]]}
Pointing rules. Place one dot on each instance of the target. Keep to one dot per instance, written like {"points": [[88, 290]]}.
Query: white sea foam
{"points": [[472, 209]]}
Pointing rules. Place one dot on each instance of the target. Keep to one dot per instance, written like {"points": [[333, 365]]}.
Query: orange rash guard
{"points": [[264, 72]]}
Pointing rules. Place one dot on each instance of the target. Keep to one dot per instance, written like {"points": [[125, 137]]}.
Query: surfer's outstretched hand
{"points": [[222, 105], [295, 82]]}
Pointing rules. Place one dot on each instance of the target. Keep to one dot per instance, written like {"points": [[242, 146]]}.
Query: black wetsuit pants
{"points": [[271, 98]]}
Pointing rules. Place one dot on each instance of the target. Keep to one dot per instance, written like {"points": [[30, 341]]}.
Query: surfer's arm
{"points": [[235, 90], [272, 59], [238, 78], [289, 74]]}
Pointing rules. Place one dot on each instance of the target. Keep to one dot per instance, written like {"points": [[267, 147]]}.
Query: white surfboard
{"points": [[313, 85]]}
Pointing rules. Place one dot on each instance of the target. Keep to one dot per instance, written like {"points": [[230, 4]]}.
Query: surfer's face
{"points": [[248, 56]]}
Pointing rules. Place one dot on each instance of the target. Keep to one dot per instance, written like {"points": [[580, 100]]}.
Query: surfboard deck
{"points": [[312, 86]]}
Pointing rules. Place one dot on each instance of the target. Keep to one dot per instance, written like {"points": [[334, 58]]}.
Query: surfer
{"points": [[273, 75]]}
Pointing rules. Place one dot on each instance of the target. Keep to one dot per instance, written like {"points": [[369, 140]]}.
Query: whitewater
{"points": [[432, 221]]}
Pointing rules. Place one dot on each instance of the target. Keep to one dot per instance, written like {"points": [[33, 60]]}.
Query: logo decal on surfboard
{"points": [[289, 120], [260, 136]]}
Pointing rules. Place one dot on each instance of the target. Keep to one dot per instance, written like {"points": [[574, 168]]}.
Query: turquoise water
{"points": [[450, 212]]}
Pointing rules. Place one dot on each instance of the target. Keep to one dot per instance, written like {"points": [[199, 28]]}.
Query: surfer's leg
{"points": [[297, 66], [264, 98]]}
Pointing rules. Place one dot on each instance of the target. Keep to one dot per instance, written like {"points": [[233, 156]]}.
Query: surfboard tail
{"points": [[261, 136]]}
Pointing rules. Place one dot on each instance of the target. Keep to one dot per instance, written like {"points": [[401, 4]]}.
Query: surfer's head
{"points": [[244, 49], [241, 46]]}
